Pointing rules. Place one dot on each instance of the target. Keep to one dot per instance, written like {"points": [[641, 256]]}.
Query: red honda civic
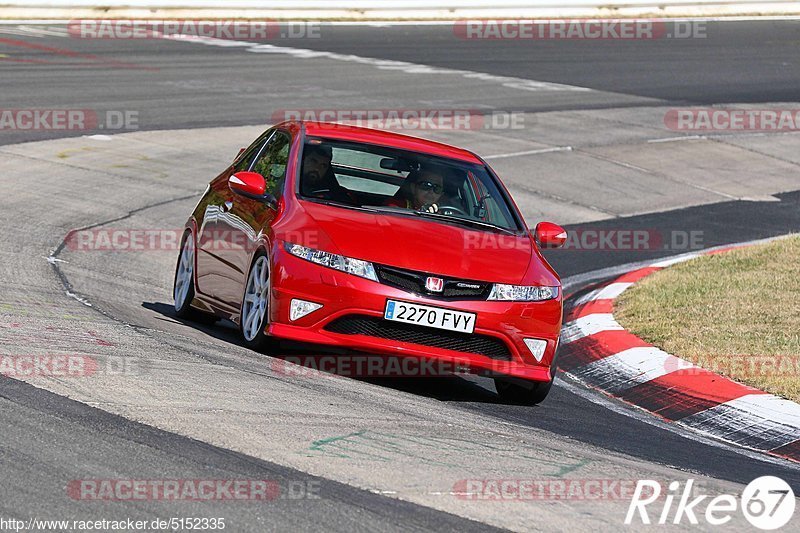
{"points": [[376, 242]]}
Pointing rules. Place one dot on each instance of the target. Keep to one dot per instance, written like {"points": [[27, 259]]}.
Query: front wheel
{"points": [[522, 393], [255, 306]]}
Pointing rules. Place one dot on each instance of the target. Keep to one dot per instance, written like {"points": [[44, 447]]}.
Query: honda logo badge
{"points": [[434, 284]]}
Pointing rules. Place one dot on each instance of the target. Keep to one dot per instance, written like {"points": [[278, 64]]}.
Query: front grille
{"points": [[396, 331], [401, 279], [454, 289]]}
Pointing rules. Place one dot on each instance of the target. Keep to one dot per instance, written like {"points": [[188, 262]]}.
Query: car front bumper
{"points": [[352, 311]]}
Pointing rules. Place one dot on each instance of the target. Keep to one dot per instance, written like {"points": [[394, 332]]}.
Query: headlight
{"points": [[521, 293], [357, 267]]}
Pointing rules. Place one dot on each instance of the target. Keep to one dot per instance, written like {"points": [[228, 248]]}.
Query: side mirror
{"points": [[549, 235], [251, 185]]}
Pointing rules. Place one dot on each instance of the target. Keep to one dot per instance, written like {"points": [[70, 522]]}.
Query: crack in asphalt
{"points": [[54, 260]]}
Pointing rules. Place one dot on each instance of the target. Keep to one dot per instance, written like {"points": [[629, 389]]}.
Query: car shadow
{"points": [[443, 387]]}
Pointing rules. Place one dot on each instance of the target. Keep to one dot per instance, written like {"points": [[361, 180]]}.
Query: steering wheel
{"points": [[451, 209]]}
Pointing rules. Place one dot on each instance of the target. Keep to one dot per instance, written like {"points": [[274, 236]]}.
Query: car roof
{"points": [[344, 132]]}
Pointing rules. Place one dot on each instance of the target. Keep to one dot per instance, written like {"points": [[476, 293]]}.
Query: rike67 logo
{"points": [[767, 502]]}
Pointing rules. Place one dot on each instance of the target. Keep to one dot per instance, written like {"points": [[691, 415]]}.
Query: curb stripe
{"points": [[597, 346], [675, 260], [599, 352], [677, 395], [723, 250], [589, 308], [628, 368], [790, 451], [610, 291], [588, 325], [760, 421], [635, 275], [778, 410]]}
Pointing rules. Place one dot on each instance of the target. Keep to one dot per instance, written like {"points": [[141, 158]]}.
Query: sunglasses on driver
{"points": [[429, 186]]}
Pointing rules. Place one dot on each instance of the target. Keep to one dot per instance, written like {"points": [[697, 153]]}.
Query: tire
{"points": [[521, 392], [183, 285], [255, 305]]}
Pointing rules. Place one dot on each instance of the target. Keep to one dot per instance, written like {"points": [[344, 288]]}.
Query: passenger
{"points": [[421, 190], [317, 179]]}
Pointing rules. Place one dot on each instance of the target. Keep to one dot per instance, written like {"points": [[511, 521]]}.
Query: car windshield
{"points": [[406, 183]]}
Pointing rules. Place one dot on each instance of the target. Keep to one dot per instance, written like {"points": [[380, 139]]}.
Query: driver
{"points": [[421, 190], [317, 179]]}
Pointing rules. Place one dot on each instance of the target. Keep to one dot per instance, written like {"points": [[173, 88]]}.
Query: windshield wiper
{"points": [[466, 221], [444, 218], [393, 209], [323, 201]]}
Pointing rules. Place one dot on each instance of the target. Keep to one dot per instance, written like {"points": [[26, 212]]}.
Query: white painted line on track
{"points": [[531, 152], [677, 139], [15, 31], [42, 32], [617, 162], [383, 64]]}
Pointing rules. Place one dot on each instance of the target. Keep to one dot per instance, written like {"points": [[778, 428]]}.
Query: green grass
{"points": [[736, 313]]}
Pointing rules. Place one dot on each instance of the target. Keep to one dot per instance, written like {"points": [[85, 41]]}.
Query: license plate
{"points": [[432, 317]]}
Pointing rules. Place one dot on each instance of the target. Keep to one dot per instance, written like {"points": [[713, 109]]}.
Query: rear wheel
{"points": [[255, 305], [183, 288]]}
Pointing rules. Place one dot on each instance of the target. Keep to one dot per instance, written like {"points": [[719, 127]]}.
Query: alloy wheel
{"points": [[255, 299]]}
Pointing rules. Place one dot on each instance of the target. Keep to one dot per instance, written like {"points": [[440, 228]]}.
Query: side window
{"points": [[272, 162], [252, 152]]}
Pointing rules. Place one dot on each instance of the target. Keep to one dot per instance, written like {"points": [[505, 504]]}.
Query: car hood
{"points": [[426, 245]]}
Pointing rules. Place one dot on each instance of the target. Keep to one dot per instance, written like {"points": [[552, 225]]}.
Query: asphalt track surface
{"points": [[215, 86]]}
